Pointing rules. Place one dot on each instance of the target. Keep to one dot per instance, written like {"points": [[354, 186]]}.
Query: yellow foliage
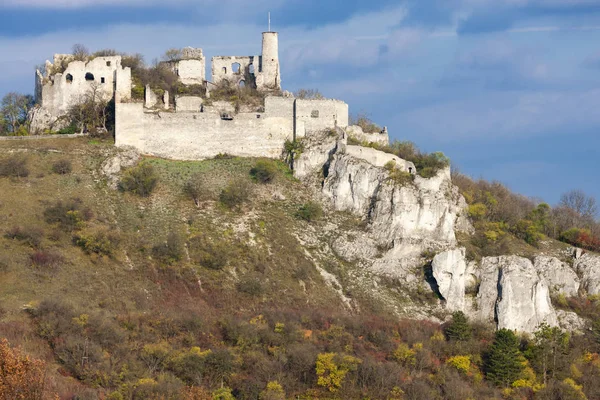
{"points": [[331, 371], [258, 320], [404, 355], [146, 381], [575, 372], [577, 389], [279, 327], [438, 336], [477, 211], [82, 320], [461, 363], [396, 394], [274, 391]]}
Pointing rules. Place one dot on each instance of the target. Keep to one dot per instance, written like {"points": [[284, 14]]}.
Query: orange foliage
{"points": [[21, 378]]}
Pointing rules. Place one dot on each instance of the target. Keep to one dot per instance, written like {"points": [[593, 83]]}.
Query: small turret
{"points": [[271, 76]]}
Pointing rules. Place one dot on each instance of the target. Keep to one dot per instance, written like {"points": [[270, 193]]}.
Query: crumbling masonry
{"points": [[196, 127]]}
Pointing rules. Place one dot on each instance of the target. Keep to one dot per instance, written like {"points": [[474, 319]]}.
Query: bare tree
{"points": [[14, 111], [80, 52], [172, 55], [584, 205], [91, 111]]}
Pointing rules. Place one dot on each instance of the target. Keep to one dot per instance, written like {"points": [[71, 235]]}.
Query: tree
{"points": [[583, 205], [550, 343], [504, 363], [332, 369], [91, 111], [172, 55], [14, 111], [80, 52], [459, 328]]}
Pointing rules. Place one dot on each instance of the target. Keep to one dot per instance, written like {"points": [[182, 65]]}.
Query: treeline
{"points": [[497, 212]]}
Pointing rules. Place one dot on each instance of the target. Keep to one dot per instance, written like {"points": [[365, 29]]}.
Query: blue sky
{"points": [[508, 89]]}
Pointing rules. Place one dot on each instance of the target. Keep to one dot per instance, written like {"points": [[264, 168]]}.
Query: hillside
{"points": [[234, 278]]}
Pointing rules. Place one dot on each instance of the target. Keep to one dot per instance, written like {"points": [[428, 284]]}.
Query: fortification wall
{"points": [[197, 136], [318, 115], [225, 68]]}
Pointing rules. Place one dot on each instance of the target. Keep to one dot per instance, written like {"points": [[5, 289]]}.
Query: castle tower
{"points": [[271, 77]]}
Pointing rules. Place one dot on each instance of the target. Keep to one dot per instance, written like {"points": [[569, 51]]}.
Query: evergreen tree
{"points": [[459, 328], [504, 363]]}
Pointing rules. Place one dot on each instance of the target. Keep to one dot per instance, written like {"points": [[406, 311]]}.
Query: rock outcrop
{"points": [[559, 275], [587, 266], [449, 269]]}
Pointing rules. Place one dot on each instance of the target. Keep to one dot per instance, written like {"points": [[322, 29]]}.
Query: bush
{"points": [[365, 123], [46, 259], [170, 251], [104, 243], [264, 171], [31, 235], [195, 189], [310, 211], [250, 285], [398, 176], [213, 255], [70, 215], [235, 194], [140, 180], [62, 167], [14, 167]]}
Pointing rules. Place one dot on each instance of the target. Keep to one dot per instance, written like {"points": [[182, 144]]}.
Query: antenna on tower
{"points": [[269, 22]]}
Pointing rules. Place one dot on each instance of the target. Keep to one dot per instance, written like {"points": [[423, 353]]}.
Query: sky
{"points": [[509, 90]]}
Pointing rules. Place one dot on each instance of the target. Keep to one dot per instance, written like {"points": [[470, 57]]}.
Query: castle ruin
{"points": [[192, 126]]}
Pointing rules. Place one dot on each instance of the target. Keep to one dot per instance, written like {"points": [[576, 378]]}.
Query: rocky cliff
{"points": [[405, 221]]}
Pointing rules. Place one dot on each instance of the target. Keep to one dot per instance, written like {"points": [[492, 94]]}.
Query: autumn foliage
{"points": [[21, 378]]}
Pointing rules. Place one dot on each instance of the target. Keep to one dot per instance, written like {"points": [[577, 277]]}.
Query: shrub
{"points": [[46, 259], [14, 167], [264, 171], [20, 376], [398, 176], [195, 188], [104, 243], [310, 211], [250, 285], [461, 363], [527, 231], [70, 215], [31, 235], [140, 180], [62, 167], [170, 251], [235, 194], [365, 123], [213, 255], [69, 130]]}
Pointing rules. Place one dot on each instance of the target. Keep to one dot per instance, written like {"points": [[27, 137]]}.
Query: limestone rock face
{"points": [[524, 297], [449, 269], [560, 276], [588, 267]]}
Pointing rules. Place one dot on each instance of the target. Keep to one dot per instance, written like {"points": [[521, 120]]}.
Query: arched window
{"points": [[242, 84], [251, 69], [236, 68], [69, 78], [89, 76], [314, 114]]}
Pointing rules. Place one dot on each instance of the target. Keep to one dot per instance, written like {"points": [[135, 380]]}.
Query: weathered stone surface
{"points": [[449, 269], [188, 103], [111, 168], [514, 294], [357, 133], [588, 269], [560, 276]]}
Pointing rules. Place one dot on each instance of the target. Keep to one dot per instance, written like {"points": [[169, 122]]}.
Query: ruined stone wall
{"points": [[55, 94], [196, 136], [317, 115], [223, 68]]}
